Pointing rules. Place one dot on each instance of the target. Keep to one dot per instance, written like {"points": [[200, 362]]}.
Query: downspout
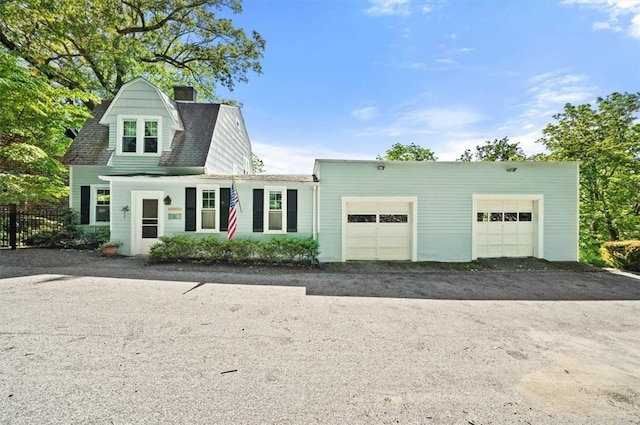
{"points": [[314, 226]]}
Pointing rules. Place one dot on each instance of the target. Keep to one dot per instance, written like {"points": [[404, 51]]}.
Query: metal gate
{"points": [[16, 225]]}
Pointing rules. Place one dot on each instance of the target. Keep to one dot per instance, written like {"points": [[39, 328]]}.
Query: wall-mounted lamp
{"points": [[381, 167], [167, 200], [511, 170]]}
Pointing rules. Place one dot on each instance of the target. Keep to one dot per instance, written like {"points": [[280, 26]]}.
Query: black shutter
{"points": [[190, 209], [85, 204], [225, 200], [292, 210], [258, 210]]}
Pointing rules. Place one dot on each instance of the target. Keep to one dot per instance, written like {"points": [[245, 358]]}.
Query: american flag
{"points": [[232, 212]]}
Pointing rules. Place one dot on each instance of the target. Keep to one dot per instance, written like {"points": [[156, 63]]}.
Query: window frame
{"points": [[94, 205], [283, 208], [140, 120], [199, 197]]}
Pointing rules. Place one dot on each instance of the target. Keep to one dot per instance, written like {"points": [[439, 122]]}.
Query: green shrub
{"points": [[70, 236], [622, 254], [590, 254], [211, 249]]}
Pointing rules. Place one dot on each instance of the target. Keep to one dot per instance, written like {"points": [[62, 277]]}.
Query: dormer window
{"points": [[139, 136]]}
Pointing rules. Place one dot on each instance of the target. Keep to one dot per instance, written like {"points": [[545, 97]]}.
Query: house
{"points": [[147, 166]]}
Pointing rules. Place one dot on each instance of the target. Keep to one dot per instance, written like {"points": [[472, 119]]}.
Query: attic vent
{"points": [[185, 94]]}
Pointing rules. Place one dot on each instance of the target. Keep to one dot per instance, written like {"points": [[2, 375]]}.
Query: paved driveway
{"points": [[86, 349]]}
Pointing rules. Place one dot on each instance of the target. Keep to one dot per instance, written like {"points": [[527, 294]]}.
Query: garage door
{"points": [[378, 231], [504, 228]]}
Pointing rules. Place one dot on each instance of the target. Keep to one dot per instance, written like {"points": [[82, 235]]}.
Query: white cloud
{"points": [[426, 9], [366, 113], [409, 120], [281, 159], [621, 14], [445, 60], [388, 8], [551, 90], [453, 36]]}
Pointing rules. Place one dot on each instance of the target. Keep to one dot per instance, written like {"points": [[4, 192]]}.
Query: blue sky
{"points": [[349, 78]]}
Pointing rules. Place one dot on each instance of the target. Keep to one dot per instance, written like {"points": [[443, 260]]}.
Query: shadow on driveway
{"points": [[496, 279]]}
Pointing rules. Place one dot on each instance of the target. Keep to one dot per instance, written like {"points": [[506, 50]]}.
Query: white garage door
{"points": [[505, 228], [378, 231]]}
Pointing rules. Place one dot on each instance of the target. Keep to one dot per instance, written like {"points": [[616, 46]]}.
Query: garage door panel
{"points": [[504, 228], [386, 237]]}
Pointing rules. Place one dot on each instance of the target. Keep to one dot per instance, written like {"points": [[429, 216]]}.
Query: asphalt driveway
{"points": [[85, 339], [504, 279]]}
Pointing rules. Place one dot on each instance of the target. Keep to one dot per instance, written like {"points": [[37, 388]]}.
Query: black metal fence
{"points": [[17, 225]]}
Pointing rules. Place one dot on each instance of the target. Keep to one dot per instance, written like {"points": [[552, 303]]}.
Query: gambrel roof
{"points": [[189, 148]]}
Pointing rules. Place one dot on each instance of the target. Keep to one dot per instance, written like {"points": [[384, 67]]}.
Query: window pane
{"points": [[209, 219], [149, 208], [150, 129], [361, 218], [128, 144], [275, 220], [510, 216], [151, 144], [102, 213], [149, 232], [129, 128], [275, 200], [524, 216], [496, 216], [103, 197], [208, 199], [483, 216], [394, 218]]}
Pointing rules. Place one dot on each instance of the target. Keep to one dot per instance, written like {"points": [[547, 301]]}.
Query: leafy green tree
{"points": [[98, 45], [258, 164], [410, 152], [34, 116], [606, 139], [498, 150]]}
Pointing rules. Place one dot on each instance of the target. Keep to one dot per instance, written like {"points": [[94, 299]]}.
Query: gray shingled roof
{"points": [[189, 148], [90, 145]]}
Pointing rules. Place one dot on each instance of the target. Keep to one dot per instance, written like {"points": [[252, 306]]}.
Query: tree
{"points": [[34, 116], [411, 152], [99, 45], [606, 139], [498, 150], [258, 164]]}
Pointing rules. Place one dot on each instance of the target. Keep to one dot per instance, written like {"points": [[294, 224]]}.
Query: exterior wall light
{"points": [[511, 170], [167, 200], [381, 167]]}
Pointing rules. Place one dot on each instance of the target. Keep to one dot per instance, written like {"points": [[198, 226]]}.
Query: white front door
{"points": [[147, 224]]}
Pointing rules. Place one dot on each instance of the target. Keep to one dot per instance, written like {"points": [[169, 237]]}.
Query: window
{"points": [[208, 206], [275, 211], [139, 135], [129, 136], [151, 136], [103, 205]]}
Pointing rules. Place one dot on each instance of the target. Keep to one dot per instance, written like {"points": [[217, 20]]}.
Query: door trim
{"points": [[137, 247]]}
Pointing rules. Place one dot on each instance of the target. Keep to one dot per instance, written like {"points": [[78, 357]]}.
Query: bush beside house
{"points": [[212, 250], [622, 254]]}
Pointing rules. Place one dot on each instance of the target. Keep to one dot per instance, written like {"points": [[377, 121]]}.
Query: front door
{"points": [[148, 220]]}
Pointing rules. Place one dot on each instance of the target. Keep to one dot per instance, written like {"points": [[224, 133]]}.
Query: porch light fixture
{"points": [[511, 170], [381, 167], [167, 200]]}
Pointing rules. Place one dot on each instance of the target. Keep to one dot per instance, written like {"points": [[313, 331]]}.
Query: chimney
{"points": [[184, 94]]}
